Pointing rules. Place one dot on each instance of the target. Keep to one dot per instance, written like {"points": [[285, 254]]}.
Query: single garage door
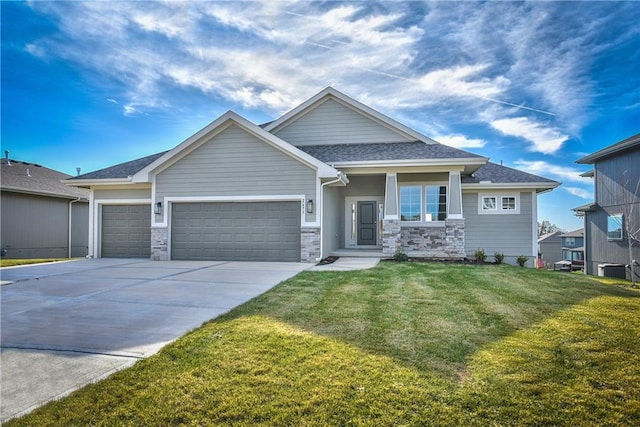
{"points": [[251, 231], [126, 231]]}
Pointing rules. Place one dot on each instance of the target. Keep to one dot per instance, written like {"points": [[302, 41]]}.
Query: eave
{"points": [[43, 193], [540, 187]]}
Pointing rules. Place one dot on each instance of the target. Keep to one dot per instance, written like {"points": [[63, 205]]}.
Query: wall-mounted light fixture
{"points": [[309, 206], [157, 209]]}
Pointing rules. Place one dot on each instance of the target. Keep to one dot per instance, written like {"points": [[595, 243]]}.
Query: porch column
{"points": [[391, 197], [454, 201], [391, 221]]}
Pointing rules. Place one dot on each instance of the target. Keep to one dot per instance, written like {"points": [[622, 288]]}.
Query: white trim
{"points": [[423, 200], [331, 93], [498, 195], [348, 200], [461, 162], [534, 227], [95, 220], [540, 186], [93, 182]]}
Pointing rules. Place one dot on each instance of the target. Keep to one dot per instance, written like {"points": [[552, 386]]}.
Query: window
{"points": [[509, 203], [569, 241], [410, 203], [500, 203], [423, 203], [435, 202], [614, 227]]}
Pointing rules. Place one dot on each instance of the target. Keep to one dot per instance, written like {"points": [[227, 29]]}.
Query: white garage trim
{"points": [[96, 218]]}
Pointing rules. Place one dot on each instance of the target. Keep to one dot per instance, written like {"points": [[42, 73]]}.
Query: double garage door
{"points": [[256, 231], [247, 231]]}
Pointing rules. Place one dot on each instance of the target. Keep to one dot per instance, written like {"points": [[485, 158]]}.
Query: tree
{"points": [[545, 227]]}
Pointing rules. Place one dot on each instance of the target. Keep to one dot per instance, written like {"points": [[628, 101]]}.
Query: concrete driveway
{"points": [[68, 324]]}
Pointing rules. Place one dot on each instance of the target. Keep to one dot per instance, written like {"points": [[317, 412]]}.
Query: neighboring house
{"points": [[615, 211], [331, 176], [550, 248], [41, 216], [573, 248]]}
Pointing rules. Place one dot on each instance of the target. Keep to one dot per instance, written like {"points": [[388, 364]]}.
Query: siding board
{"points": [[334, 123], [509, 234]]}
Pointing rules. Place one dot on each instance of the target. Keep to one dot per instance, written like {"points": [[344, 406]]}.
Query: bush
{"points": [[522, 260], [400, 256], [480, 256], [499, 257]]}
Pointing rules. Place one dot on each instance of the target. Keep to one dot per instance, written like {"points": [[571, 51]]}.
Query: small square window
{"points": [[614, 227], [489, 203], [508, 203]]}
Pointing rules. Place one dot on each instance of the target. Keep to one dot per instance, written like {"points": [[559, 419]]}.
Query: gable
{"points": [[235, 162], [333, 122]]}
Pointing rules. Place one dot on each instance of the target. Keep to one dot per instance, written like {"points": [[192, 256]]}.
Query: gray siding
{"points": [[603, 251], [510, 234], [79, 229], [365, 185], [615, 173], [333, 123], [333, 220], [551, 251], [123, 193], [391, 207], [236, 163], [38, 226]]}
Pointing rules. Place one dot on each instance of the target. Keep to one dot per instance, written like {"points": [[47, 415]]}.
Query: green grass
{"points": [[12, 262], [401, 344]]}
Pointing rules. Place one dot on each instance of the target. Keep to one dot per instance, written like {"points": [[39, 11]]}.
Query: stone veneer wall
{"points": [[160, 244], [434, 242], [390, 236], [309, 244]]}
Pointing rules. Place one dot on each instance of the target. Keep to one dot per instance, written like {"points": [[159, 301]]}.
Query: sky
{"points": [[535, 85]]}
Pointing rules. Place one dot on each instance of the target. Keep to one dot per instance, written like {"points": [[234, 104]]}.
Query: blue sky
{"points": [[535, 85]]}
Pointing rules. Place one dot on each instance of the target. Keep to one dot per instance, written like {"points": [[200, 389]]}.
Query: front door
{"points": [[367, 223]]}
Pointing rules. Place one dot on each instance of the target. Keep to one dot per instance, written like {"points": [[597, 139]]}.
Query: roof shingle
{"points": [[502, 174], [24, 177], [122, 170]]}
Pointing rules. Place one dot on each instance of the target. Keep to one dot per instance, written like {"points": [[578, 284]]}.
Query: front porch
{"points": [[376, 215]]}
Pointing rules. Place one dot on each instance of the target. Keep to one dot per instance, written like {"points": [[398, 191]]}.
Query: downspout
{"points": [[70, 214], [320, 213]]}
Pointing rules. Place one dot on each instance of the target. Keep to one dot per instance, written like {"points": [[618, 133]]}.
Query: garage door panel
{"points": [[126, 231], [260, 231]]}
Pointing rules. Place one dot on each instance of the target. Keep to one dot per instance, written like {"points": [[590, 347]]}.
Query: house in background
{"points": [[613, 220], [330, 177], [41, 217], [573, 249], [550, 248]]}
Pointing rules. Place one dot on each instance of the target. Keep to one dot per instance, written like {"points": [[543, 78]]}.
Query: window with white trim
{"points": [[508, 203], [423, 202], [614, 227]]}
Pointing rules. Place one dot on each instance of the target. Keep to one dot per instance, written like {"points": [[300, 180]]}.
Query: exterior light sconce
{"points": [[309, 206], [157, 209]]}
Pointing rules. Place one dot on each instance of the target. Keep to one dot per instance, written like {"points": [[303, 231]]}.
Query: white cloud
{"points": [[540, 167], [460, 141], [35, 50], [543, 139], [580, 192]]}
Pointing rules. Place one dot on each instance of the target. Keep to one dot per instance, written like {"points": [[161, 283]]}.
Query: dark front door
{"points": [[367, 223]]}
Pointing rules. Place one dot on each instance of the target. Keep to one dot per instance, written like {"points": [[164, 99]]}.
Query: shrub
{"points": [[400, 256], [522, 260], [499, 256], [480, 255]]}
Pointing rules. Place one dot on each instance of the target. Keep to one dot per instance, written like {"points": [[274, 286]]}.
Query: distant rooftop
{"points": [[122, 170], [24, 177]]}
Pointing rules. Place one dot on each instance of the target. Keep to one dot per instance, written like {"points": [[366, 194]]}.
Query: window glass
{"points": [[614, 227], [488, 203], [569, 241], [410, 203], [508, 203], [435, 202]]}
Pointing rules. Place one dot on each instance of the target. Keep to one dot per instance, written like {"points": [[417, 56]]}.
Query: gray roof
{"points": [[122, 170], [550, 237], [384, 151], [621, 147], [25, 177], [575, 233], [502, 174]]}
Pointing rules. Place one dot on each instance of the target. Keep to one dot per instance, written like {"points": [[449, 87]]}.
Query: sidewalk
{"points": [[347, 264]]}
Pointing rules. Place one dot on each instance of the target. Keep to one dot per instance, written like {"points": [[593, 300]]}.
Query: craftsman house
{"points": [[331, 176]]}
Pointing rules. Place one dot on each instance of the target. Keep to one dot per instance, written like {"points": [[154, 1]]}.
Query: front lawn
{"points": [[10, 262], [401, 344]]}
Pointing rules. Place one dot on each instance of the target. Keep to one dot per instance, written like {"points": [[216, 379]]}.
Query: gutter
{"points": [[70, 214], [341, 178]]}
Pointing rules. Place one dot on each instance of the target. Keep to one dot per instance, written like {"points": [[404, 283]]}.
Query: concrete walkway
{"points": [[67, 324], [347, 264]]}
